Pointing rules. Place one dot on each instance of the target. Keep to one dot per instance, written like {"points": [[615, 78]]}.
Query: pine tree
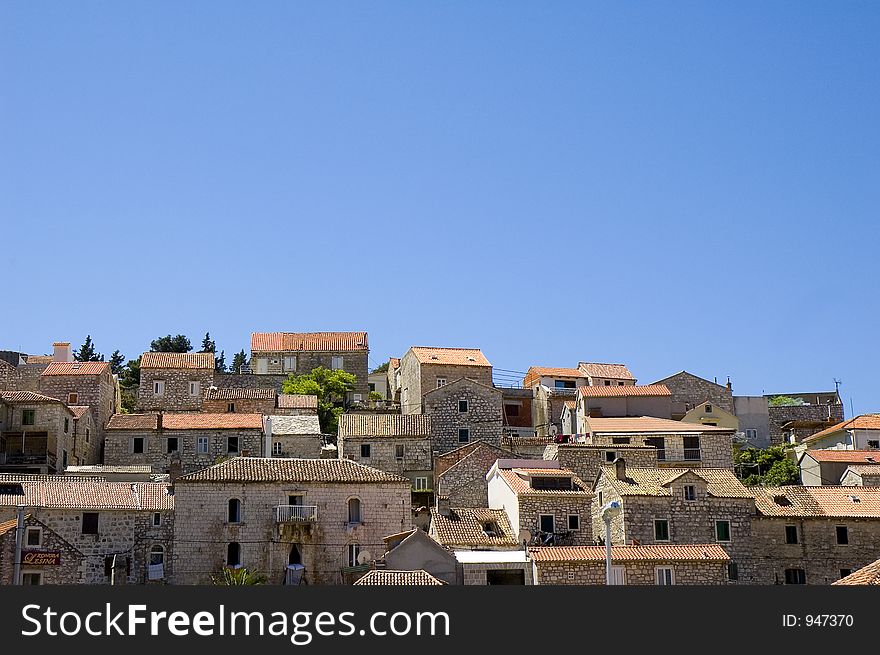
{"points": [[117, 362], [87, 352], [169, 344], [220, 362], [238, 361], [208, 346]]}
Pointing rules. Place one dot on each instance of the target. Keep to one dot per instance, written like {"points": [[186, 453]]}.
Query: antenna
{"points": [[837, 384]]}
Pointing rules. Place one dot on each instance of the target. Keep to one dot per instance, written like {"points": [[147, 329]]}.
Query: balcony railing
{"points": [[692, 454], [661, 454], [296, 513]]}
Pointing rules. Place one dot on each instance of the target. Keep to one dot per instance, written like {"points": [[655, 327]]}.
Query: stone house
{"points": [[296, 405], [47, 558], [243, 401], [586, 460], [389, 577], [616, 401], [396, 443], [414, 550], [554, 378], [321, 519], [423, 370], [295, 436], [678, 506], [462, 411], [471, 528], [194, 440], [650, 564], [606, 375], [827, 467], [689, 390], [568, 418], [753, 415], [861, 475], [552, 388], [867, 575], [274, 353], [37, 434], [814, 535], [112, 532], [461, 473], [527, 447], [85, 384], [706, 413], [859, 433], [174, 382], [517, 406], [819, 409], [545, 504], [677, 443]]}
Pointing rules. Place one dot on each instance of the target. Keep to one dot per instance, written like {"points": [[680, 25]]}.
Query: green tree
{"points": [[330, 386], [784, 401], [131, 374], [117, 362], [208, 346], [240, 359], [772, 466], [220, 362], [381, 368], [169, 344], [230, 577], [87, 353]]}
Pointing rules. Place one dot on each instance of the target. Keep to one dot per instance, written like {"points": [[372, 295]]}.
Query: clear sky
{"points": [[687, 185]]}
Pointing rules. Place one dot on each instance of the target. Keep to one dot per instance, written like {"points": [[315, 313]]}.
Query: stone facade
{"points": [[46, 444], [587, 460], [484, 573], [263, 406], [178, 390], [249, 381], [639, 572], [463, 411], [296, 436], [820, 415], [715, 449], [464, 480], [418, 376], [689, 390], [861, 476]]}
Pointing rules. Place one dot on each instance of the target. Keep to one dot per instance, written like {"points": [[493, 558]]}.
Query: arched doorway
{"points": [[295, 557]]}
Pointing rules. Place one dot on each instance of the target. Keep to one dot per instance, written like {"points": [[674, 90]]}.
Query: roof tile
{"points": [[178, 360], [308, 341], [647, 552], [262, 469], [450, 356]]}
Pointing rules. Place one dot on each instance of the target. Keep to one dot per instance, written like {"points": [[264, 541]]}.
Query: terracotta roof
{"points": [[78, 410], [535, 373], [826, 501], [864, 469], [602, 391], [101, 469], [648, 424], [518, 481], [867, 575], [261, 469], [28, 397], [76, 368], [308, 341], [231, 393], [186, 421], [648, 552], [655, 481], [571, 404], [178, 360], [75, 493], [6, 526], [613, 371], [384, 425], [133, 422], [385, 577], [863, 422], [450, 356], [464, 527], [851, 456], [308, 424], [526, 441], [296, 401]]}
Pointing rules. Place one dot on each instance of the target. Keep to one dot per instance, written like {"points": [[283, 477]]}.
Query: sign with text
{"points": [[40, 558]]}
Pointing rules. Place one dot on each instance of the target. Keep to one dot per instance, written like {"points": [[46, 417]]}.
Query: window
{"points": [[722, 530], [365, 450], [464, 435], [691, 448], [547, 523], [157, 555], [67, 425], [157, 519], [90, 523], [690, 492], [795, 576], [294, 500], [600, 500], [564, 384], [618, 575], [72, 398], [31, 579], [158, 387], [664, 575], [28, 416], [660, 444], [277, 448], [842, 535], [354, 550], [231, 444], [372, 386], [791, 534], [137, 445], [202, 445], [462, 406], [233, 513], [732, 571], [290, 362], [33, 537], [845, 572], [194, 388], [441, 382], [511, 410], [620, 441], [172, 445], [661, 530], [421, 484], [607, 383], [336, 362], [354, 510], [620, 384], [233, 554], [230, 408], [708, 408], [64, 458], [574, 522], [751, 434], [398, 451], [610, 455], [873, 443]]}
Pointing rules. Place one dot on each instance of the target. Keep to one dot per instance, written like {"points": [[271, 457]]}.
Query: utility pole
{"points": [[19, 538]]}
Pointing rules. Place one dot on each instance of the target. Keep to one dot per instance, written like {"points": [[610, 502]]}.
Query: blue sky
{"points": [[686, 185]]}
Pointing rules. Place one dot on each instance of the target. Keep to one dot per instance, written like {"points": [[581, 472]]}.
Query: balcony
{"points": [[296, 513], [692, 455]]}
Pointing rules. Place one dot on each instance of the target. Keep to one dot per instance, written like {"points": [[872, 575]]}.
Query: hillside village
{"points": [[302, 465]]}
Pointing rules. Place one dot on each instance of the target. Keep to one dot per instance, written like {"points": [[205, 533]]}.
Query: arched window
{"points": [[354, 510], [157, 555], [234, 514], [233, 554]]}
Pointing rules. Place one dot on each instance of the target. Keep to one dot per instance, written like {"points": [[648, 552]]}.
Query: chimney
{"points": [[267, 428], [729, 385], [175, 469], [620, 468], [61, 352], [443, 505]]}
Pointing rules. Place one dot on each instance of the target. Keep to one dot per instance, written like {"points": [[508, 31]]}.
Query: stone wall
{"points": [[383, 454], [303, 446], [464, 482], [68, 571], [177, 397], [476, 574], [716, 450], [202, 540], [482, 419], [99, 392], [417, 379], [779, 416], [586, 460], [636, 573], [249, 381], [354, 362], [264, 406], [52, 419], [851, 478], [690, 390], [560, 506]]}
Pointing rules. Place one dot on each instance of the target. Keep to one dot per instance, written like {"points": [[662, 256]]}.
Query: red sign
{"points": [[40, 558]]}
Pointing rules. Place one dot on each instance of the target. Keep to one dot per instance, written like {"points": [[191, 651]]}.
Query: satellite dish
{"points": [[525, 536], [364, 556]]}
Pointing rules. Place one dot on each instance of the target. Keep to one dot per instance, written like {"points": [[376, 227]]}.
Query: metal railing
{"points": [[692, 454], [296, 513], [661, 454]]}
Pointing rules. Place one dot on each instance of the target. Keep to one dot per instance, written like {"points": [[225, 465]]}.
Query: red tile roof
{"points": [[518, 481], [67, 493], [263, 469], [535, 373], [463, 527], [28, 397], [133, 422], [450, 356], [384, 425], [186, 421], [308, 341], [613, 371], [78, 410], [648, 552], [386, 577], [602, 391], [863, 422], [178, 360], [648, 424], [77, 368], [867, 575], [297, 401], [823, 502], [849, 456]]}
